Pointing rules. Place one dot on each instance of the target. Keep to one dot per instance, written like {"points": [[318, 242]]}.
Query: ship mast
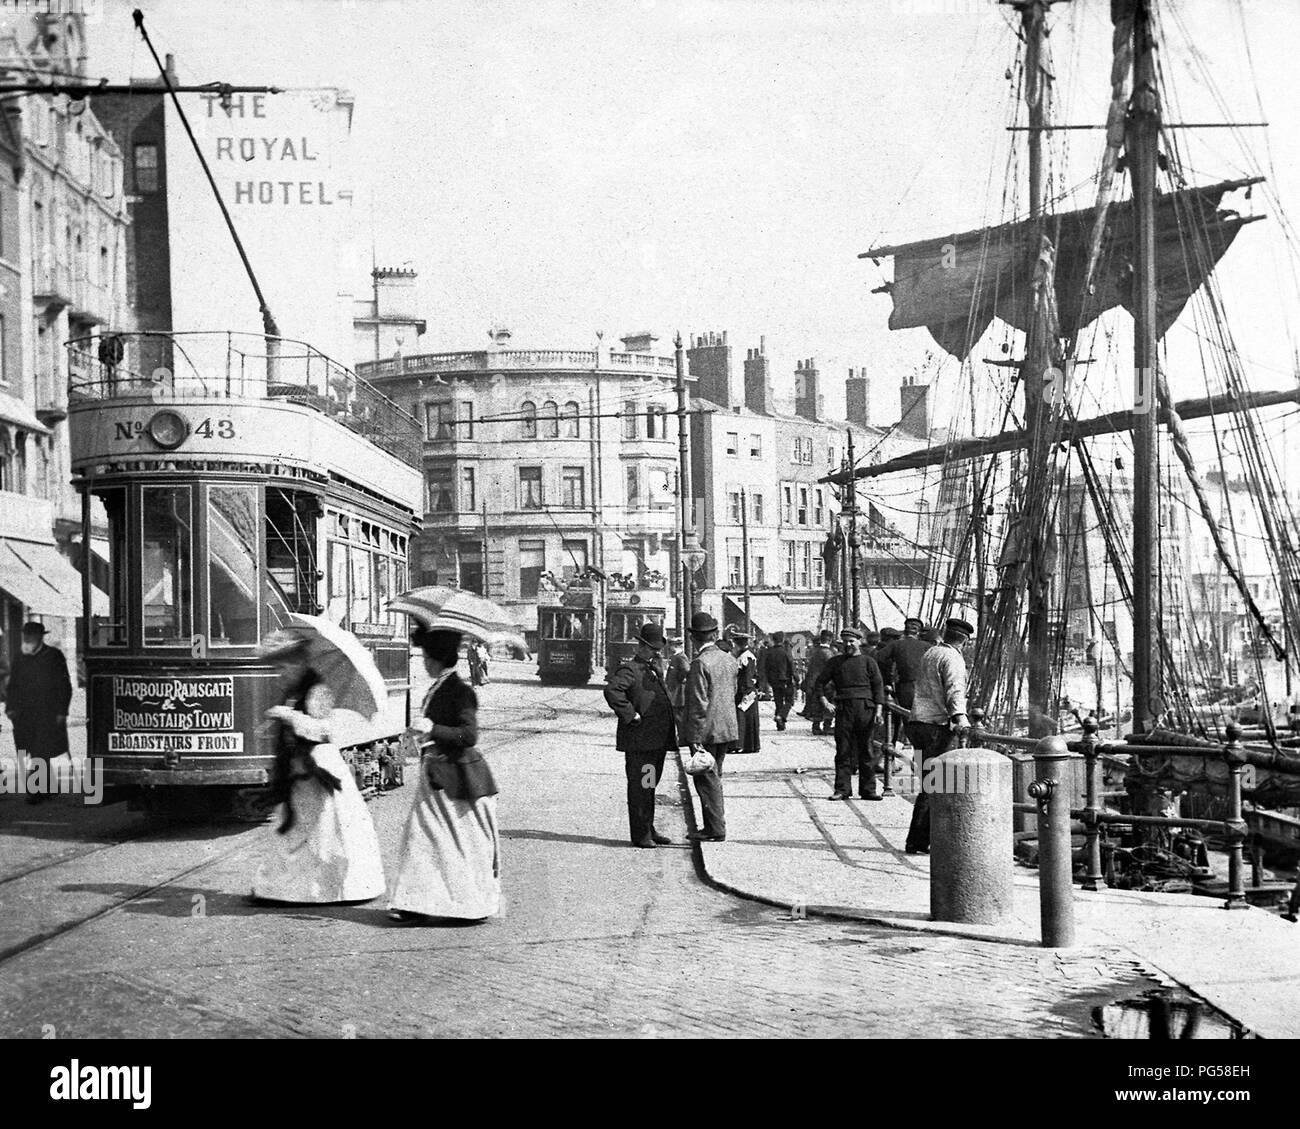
{"points": [[1143, 131]]}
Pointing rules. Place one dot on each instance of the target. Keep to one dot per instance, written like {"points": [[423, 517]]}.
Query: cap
{"points": [[826, 637], [911, 619], [33, 628], [850, 633], [652, 635], [778, 636], [702, 623], [959, 625], [890, 633]]}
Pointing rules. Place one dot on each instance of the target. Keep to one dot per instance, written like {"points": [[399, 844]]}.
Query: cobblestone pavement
{"points": [[596, 939]]}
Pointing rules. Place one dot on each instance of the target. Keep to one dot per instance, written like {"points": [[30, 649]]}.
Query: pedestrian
{"points": [[938, 714], [647, 728], [813, 708], [746, 693], [900, 662], [929, 635], [36, 701], [780, 676], [854, 679], [676, 667], [710, 720], [325, 849], [450, 855], [764, 687]]}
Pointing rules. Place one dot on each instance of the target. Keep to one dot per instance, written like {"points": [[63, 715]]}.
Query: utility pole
{"points": [[487, 588], [744, 555], [690, 554], [1143, 132], [852, 610]]}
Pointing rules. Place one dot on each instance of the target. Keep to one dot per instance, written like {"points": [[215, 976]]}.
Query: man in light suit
{"points": [[710, 720]]}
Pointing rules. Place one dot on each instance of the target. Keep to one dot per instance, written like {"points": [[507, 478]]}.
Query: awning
{"points": [[770, 613], [39, 576], [16, 411]]}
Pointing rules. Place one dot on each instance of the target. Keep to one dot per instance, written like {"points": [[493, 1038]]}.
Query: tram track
{"points": [[76, 855]]}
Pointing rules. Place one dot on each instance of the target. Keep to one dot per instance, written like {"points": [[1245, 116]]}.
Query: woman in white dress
{"points": [[325, 849], [450, 855]]}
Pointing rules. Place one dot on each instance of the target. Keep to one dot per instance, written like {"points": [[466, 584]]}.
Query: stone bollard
{"points": [[970, 836], [1055, 862]]}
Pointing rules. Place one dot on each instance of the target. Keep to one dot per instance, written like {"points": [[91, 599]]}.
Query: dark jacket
{"points": [[900, 660], [818, 656], [37, 700], [778, 664], [852, 676], [452, 762], [636, 690]]}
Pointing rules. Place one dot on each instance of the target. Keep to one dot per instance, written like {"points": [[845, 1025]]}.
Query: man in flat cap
{"points": [[37, 700], [778, 673], [900, 661], [853, 678], [818, 656], [647, 729], [746, 691], [938, 714], [710, 720]]}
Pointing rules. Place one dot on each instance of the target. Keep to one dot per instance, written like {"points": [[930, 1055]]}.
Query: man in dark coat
{"points": [[854, 680], [778, 670], [647, 729], [900, 662], [818, 656], [37, 700]]}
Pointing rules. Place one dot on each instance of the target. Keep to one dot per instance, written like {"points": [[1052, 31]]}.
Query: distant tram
{"points": [[566, 635], [240, 479]]}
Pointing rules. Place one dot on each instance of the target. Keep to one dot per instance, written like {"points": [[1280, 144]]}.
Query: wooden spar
{"points": [[1084, 429], [1141, 143]]}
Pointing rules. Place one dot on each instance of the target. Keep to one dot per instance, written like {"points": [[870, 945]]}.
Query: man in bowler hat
{"points": [[37, 700], [647, 729], [710, 720], [938, 715]]}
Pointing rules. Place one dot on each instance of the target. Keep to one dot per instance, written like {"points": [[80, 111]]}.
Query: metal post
{"points": [[887, 746], [1235, 826], [1094, 879], [853, 610], [1055, 868], [744, 556], [686, 497], [485, 586]]}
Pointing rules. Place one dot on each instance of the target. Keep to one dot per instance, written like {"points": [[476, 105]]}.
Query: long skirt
{"points": [[450, 857], [747, 722], [331, 853]]}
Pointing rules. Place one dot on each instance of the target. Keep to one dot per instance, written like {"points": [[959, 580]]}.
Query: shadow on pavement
{"points": [[560, 837], [198, 901]]}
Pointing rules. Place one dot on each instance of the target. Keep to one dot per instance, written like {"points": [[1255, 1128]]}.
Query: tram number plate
{"points": [[176, 742]]}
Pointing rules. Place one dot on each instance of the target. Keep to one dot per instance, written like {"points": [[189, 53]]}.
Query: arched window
{"points": [[551, 420], [571, 420], [656, 423], [529, 412], [629, 419]]}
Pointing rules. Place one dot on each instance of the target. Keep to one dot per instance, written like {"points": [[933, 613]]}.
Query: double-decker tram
{"points": [[240, 479], [626, 612]]}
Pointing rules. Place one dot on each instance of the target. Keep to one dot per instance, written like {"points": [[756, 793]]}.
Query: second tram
{"points": [[568, 649], [260, 479]]}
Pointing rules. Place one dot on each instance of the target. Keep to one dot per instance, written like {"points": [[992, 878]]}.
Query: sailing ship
{"points": [[1077, 601]]}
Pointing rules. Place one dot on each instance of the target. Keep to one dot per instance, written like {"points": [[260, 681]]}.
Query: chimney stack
{"points": [[758, 381], [914, 404], [857, 398], [807, 398], [708, 360]]}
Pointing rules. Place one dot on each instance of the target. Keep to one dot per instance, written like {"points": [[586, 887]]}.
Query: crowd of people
{"points": [[708, 706]]}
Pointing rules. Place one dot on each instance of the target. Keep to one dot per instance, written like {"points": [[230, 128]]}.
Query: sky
{"points": [[563, 168]]}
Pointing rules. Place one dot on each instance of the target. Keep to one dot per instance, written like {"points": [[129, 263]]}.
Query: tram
{"points": [[567, 650], [240, 479], [566, 636]]}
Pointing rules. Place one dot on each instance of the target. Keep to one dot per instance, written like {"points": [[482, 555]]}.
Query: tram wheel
{"points": [[250, 805]]}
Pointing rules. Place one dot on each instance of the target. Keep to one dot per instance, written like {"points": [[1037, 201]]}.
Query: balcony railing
{"points": [[514, 360], [207, 365]]}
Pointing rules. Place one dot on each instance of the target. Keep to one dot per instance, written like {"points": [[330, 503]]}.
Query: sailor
{"points": [[900, 661], [938, 715], [854, 680], [818, 656]]}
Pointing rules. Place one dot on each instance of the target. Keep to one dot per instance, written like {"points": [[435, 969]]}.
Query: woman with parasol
{"points": [[325, 849], [450, 864]]}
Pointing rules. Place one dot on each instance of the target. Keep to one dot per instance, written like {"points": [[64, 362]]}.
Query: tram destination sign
{"points": [[187, 715]]}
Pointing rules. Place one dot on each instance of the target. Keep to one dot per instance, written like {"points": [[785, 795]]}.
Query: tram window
{"points": [[232, 565], [166, 577], [110, 630], [361, 587], [291, 551], [337, 597]]}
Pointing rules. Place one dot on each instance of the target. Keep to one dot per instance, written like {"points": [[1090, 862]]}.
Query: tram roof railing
{"points": [[205, 364]]}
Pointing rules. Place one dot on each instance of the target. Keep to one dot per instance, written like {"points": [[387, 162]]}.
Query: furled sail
{"points": [[955, 285]]}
